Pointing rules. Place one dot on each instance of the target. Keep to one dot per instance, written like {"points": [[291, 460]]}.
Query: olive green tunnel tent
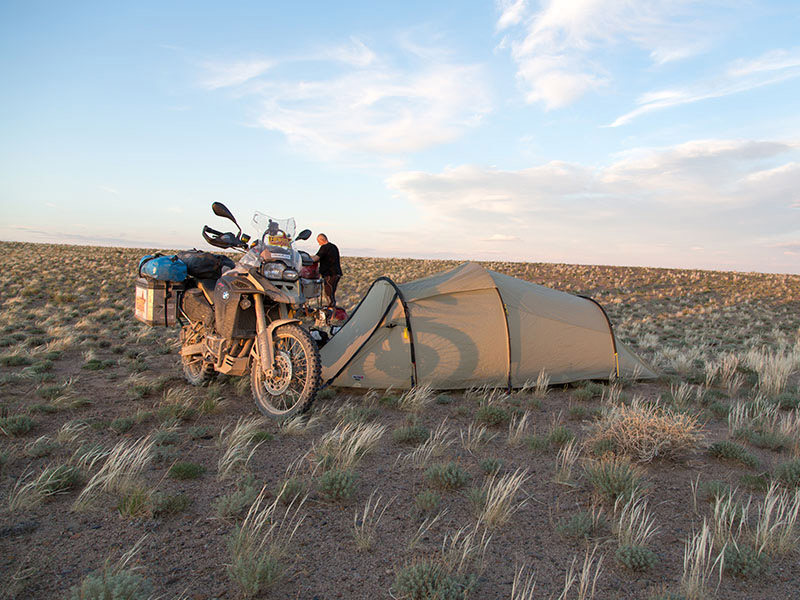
{"points": [[470, 327]]}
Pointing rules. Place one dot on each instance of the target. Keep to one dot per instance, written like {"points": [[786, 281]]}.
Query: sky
{"points": [[662, 133]]}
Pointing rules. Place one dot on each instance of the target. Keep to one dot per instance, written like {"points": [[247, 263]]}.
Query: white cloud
{"points": [[741, 76], [224, 75], [559, 50], [708, 203], [512, 12], [359, 103]]}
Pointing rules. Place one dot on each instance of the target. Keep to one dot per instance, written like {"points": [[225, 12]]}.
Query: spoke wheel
{"points": [[294, 381], [195, 369]]}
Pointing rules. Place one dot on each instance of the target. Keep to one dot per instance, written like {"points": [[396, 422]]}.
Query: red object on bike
{"points": [[310, 271]]}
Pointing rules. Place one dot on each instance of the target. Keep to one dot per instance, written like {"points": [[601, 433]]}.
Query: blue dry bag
{"points": [[163, 268]]}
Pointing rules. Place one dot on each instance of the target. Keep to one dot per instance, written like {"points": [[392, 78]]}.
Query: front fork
{"points": [[264, 341]]}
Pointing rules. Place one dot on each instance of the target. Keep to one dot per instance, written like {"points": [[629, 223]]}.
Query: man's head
{"points": [[322, 239]]}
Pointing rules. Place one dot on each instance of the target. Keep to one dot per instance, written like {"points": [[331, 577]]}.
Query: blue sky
{"points": [[629, 132]]}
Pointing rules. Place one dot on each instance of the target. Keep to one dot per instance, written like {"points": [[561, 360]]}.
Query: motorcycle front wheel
{"points": [[295, 378]]}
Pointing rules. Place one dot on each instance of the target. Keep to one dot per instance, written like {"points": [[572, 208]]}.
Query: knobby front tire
{"points": [[296, 376]]}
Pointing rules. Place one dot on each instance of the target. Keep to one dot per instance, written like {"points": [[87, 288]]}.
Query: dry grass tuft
{"points": [[238, 447], [416, 399], [347, 443], [500, 498], [699, 564], [119, 471], [645, 432], [365, 522]]}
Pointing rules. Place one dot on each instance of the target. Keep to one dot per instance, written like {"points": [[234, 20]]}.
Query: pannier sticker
{"points": [[358, 377]]}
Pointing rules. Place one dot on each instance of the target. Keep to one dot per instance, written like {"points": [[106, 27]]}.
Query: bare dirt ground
{"points": [[83, 373]]}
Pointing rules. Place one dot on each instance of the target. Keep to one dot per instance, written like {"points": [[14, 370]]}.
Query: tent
{"points": [[470, 327]]}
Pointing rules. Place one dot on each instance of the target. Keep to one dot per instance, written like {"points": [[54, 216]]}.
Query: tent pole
{"points": [[610, 329], [508, 337]]}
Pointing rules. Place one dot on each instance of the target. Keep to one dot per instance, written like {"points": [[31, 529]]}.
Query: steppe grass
{"points": [[115, 581], [237, 446], [259, 547], [367, 520], [614, 477], [119, 472]]}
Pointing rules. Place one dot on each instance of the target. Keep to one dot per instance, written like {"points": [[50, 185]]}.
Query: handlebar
{"points": [[222, 240]]}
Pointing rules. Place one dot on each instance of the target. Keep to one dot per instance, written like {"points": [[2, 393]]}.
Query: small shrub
{"points": [[715, 490], [719, 409], [389, 401], [732, 451], [491, 466], [492, 415], [538, 443], [757, 483], [60, 479], [588, 391], [788, 473], [425, 580], [233, 504], [583, 524], [428, 501], [614, 477], [15, 360], [337, 485], [122, 424], [135, 502], [290, 490], [41, 447], [636, 558], [167, 505], [559, 436], [448, 476], [200, 432], [166, 437], [186, 470], [113, 584], [762, 438], [743, 561], [261, 436], [788, 401], [667, 596], [411, 434], [602, 446], [16, 425]]}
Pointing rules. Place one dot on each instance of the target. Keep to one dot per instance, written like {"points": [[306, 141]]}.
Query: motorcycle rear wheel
{"points": [[296, 375], [196, 371]]}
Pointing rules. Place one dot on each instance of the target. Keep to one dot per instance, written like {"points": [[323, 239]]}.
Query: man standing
{"points": [[329, 267]]}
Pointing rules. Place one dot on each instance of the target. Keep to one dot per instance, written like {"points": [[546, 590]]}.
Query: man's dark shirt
{"points": [[329, 260]]}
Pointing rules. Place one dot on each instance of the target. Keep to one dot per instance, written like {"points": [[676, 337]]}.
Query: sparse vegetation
{"points": [[83, 384]]}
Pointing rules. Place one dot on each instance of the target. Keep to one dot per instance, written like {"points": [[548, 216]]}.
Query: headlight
{"points": [[273, 270], [290, 275]]}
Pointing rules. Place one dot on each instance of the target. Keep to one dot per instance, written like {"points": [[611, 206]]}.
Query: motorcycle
{"points": [[248, 316]]}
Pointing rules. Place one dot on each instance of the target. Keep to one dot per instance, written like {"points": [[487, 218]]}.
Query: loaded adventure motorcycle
{"points": [[251, 316]]}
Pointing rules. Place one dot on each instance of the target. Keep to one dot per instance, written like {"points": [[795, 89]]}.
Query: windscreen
{"points": [[274, 232]]}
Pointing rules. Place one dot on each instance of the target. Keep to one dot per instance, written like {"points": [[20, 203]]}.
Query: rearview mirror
{"points": [[304, 235], [222, 211]]}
